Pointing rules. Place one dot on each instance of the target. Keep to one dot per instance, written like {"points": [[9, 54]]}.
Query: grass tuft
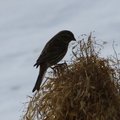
{"points": [[87, 89]]}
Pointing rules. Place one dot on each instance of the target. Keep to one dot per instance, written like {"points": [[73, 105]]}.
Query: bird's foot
{"points": [[59, 68]]}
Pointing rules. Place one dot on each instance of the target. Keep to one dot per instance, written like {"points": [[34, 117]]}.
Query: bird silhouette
{"points": [[53, 52]]}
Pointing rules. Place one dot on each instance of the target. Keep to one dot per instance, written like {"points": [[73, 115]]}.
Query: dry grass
{"points": [[87, 89]]}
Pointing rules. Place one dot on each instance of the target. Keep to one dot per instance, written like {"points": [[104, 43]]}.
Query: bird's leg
{"points": [[59, 68]]}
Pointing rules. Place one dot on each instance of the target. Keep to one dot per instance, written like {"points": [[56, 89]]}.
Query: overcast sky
{"points": [[25, 27]]}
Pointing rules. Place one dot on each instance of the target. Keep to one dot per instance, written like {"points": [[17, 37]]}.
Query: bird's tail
{"points": [[40, 77]]}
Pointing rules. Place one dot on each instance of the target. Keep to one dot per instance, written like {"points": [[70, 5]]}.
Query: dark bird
{"points": [[52, 53]]}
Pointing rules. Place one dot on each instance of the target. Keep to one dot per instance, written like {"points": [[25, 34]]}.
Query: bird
{"points": [[53, 52]]}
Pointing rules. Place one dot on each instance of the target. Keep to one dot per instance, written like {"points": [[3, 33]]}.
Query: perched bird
{"points": [[52, 53]]}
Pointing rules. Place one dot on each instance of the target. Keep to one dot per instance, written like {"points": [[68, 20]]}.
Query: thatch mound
{"points": [[87, 89]]}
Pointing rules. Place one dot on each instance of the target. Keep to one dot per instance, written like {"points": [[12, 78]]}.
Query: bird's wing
{"points": [[54, 54]]}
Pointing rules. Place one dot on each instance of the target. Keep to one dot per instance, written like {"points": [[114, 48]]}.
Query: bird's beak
{"points": [[74, 39]]}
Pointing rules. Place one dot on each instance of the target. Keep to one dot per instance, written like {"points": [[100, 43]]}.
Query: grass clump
{"points": [[87, 89]]}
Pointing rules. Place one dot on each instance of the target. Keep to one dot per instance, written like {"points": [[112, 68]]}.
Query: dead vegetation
{"points": [[87, 89]]}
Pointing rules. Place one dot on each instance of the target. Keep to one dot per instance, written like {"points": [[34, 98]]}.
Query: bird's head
{"points": [[67, 36]]}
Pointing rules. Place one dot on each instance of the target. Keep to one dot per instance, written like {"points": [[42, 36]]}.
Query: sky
{"points": [[26, 26]]}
